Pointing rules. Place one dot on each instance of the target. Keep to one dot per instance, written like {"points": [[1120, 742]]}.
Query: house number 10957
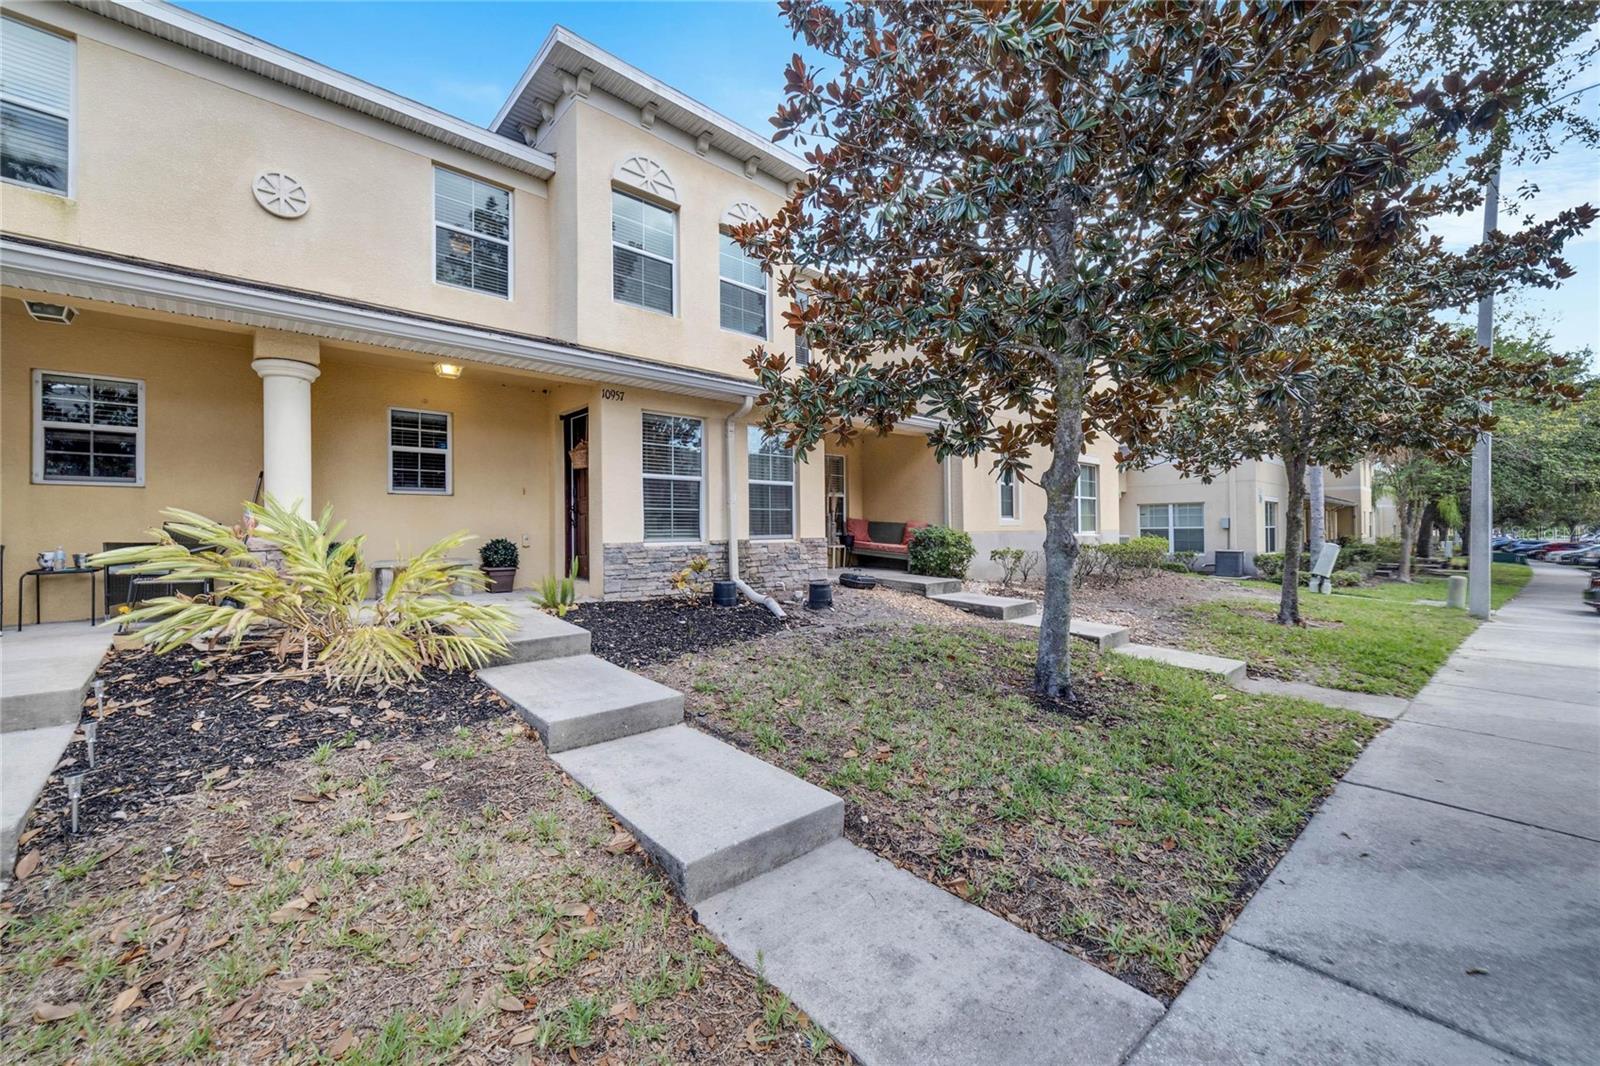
{"points": [[611, 394]]}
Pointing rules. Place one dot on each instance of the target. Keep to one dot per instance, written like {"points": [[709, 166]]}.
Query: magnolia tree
{"points": [[1034, 221]]}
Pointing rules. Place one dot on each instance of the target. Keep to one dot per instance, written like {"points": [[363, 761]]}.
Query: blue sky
{"points": [[464, 58]]}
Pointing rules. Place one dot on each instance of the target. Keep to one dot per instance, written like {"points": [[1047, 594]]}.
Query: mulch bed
{"points": [[636, 632], [178, 722]]}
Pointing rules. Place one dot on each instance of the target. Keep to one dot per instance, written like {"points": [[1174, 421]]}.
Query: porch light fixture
{"points": [[449, 371], [60, 314]]}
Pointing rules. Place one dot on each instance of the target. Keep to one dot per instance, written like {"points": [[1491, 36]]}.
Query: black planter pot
{"points": [[820, 595], [724, 594]]}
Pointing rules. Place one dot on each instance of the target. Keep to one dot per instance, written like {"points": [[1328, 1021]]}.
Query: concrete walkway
{"points": [[1444, 904]]}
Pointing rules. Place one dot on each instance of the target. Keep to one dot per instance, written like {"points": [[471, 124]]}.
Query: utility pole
{"points": [[1482, 509]]}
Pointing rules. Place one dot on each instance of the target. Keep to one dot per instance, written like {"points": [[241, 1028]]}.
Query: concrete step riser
{"points": [[1004, 608], [41, 710], [538, 649]]}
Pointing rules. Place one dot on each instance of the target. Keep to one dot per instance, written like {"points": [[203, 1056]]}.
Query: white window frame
{"points": [[753, 434], [700, 477], [1171, 529], [449, 451], [765, 291], [40, 425], [1008, 480], [1078, 498], [511, 258], [71, 117], [677, 238], [802, 343], [1269, 529]]}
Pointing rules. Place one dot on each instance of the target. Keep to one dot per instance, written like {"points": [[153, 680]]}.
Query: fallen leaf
{"points": [[126, 1000], [169, 679], [525, 1035], [400, 816], [23, 840], [293, 911], [306, 797], [235, 881], [27, 865], [509, 1003], [239, 1007], [621, 842], [55, 1012], [341, 1044]]}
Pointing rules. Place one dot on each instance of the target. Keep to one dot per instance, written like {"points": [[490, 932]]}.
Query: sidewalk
{"points": [[1444, 904]]}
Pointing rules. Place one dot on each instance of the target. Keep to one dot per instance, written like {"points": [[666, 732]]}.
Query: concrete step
{"points": [[1002, 607], [900, 581], [580, 700], [712, 816], [1101, 635], [1231, 670], [27, 759], [45, 671], [540, 635], [900, 971]]}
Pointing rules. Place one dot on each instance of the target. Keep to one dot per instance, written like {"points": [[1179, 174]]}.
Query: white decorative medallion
{"points": [[646, 175], [281, 195], [740, 213]]}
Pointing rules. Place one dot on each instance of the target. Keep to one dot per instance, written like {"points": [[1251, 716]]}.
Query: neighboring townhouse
{"points": [[230, 270], [1241, 510]]}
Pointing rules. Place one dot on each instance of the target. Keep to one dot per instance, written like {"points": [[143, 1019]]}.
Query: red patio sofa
{"points": [[882, 540]]}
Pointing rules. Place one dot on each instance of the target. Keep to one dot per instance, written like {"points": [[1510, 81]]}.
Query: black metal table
{"points": [[40, 572]]}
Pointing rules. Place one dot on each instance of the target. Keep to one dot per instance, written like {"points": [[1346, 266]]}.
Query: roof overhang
{"points": [[221, 42], [149, 286], [564, 52]]}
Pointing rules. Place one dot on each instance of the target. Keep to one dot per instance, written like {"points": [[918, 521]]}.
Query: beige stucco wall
{"points": [[202, 438], [1239, 495], [505, 458], [168, 142], [591, 141], [892, 478]]}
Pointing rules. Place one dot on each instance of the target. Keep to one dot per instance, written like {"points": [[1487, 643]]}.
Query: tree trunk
{"points": [[1430, 518], [1410, 518], [1294, 462], [1052, 674], [1318, 508]]}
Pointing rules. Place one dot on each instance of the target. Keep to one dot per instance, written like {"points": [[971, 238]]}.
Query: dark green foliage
{"points": [[498, 554], [939, 551]]}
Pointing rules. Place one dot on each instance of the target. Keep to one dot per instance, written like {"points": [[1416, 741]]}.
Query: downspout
{"points": [[944, 485], [730, 432]]}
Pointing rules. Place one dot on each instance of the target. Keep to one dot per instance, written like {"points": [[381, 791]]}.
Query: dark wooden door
{"points": [[575, 434]]}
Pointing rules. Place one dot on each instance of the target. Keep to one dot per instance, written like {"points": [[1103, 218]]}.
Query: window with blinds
{"points": [[674, 475], [771, 487], [744, 290], [419, 452], [644, 242], [35, 106], [1181, 525], [802, 343], [1088, 499], [471, 234], [87, 429]]}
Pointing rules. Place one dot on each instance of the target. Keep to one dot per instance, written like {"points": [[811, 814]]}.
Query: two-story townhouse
{"points": [[229, 270]]}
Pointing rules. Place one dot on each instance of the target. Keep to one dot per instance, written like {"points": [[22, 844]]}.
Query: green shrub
{"points": [[1016, 565], [938, 551], [316, 598], [1270, 565], [1139, 555], [1346, 578], [558, 595], [1174, 566], [1185, 559], [498, 554]]}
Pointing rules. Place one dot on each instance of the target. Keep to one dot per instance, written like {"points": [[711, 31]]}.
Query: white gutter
{"points": [[155, 287], [730, 429]]}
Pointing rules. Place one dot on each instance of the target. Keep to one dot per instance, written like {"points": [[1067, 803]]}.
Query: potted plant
{"points": [[499, 559]]}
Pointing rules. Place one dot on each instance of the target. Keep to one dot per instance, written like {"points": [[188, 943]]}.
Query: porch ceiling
{"points": [[129, 282]]}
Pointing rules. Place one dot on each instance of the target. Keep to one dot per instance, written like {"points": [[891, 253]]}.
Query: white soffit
{"points": [[269, 61], [565, 52]]}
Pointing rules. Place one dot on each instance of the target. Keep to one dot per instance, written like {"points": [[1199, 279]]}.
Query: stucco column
{"points": [[286, 428]]}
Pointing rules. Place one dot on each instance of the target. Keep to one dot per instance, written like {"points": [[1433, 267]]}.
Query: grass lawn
{"points": [[401, 902], [1129, 836], [1373, 639]]}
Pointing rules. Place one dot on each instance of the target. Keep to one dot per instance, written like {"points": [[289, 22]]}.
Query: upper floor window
{"points": [[87, 430], [419, 451], [1088, 499], [771, 486], [1009, 503], [674, 470], [35, 105], [644, 244], [744, 290], [472, 233], [1269, 525]]}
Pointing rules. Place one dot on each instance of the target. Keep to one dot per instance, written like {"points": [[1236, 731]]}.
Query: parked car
{"points": [[1588, 555], [1523, 547], [1549, 546], [1591, 591]]}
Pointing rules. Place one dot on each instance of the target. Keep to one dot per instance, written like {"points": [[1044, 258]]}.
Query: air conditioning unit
{"points": [[1229, 563]]}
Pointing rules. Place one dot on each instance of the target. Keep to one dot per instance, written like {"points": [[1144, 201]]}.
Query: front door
{"points": [[575, 437]]}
